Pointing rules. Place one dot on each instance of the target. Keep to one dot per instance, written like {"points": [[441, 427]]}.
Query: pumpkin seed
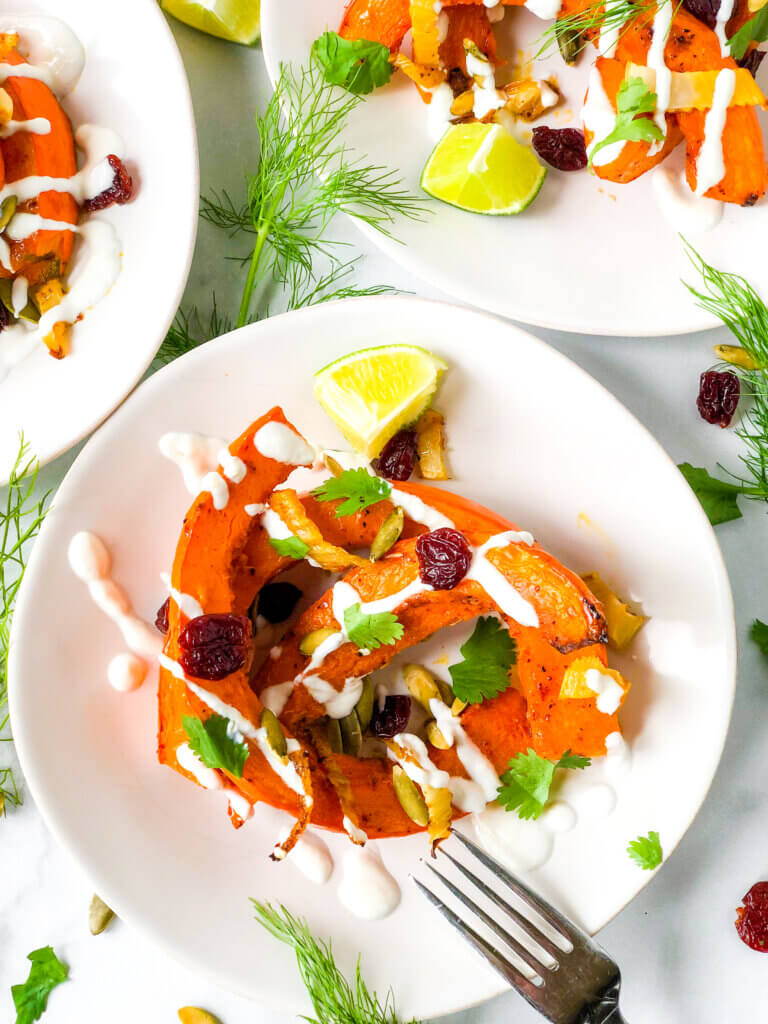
{"points": [[351, 734], [275, 734], [364, 708], [7, 210], [334, 736], [99, 915], [194, 1015], [335, 467], [388, 533], [421, 684], [409, 796], [446, 693], [436, 738], [29, 312], [736, 355], [570, 44], [457, 707], [309, 643]]}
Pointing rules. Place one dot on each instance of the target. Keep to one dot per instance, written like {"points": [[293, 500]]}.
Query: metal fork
{"points": [[573, 983]]}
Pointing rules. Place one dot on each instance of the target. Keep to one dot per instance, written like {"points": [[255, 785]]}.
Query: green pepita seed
{"points": [[7, 210], [351, 734], [421, 684], [435, 737], [334, 736], [275, 734], [335, 467], [570, 43], [446, 693], [194, 1015], [457, 707], [388, 534], [410, 798], [736, 355], [364, 707], [99, 915], [309, 643], [30, 311]]}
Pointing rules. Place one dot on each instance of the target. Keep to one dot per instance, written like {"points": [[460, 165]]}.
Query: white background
{"points": [[681, 959]]}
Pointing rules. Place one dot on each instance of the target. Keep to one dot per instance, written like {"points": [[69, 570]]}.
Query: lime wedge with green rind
{"points": [[235, 20]]}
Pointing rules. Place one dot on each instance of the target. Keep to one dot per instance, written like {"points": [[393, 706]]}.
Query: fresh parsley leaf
{"points": [[646, 851], [358, 487], [759, 633], [357, 65], [488, 656], [633, 98], [371, 631], [211, 741], [753, 31], [718, 498], [31, 998], [526, 784], [290, 547]]}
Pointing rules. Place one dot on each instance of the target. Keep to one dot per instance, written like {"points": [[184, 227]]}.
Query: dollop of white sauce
{"points": [[126, 672], [34, 125], [710, 163], [311, 856], [609, 693], [724, 13], [187, 604], [496, 585], [546, 9], [662, 22], [599, 118], [51, 46], [367, 889], [195, 455], [519, 844], [19, 294], [439, 111], [681, 208], [277, 441], [487, 97], [215, 484], [609, 35], [337, 703]]}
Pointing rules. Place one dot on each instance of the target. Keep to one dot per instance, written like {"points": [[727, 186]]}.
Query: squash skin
{"points": [[224, 558]]}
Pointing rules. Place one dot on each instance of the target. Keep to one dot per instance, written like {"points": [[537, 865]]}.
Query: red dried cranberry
{"points": [[120, 191], [5, 317], [277, 600], [161, 619], [392, 718], [752, 60], [752, 918], [704, 10], [444, 558], [213, 646], [563, 148], [718, 396], [398, 457]]}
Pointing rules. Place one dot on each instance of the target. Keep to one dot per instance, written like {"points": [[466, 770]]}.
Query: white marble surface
{"points": [[681, 959]]}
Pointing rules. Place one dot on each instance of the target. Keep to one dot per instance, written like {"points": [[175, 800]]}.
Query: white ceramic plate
{"points": [[586, 256], [134, 83], [533, 437]]}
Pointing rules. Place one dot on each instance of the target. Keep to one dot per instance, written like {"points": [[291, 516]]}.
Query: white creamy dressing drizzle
{"points": [[680, 207], [22, 225], [310, 855], [355, 833], [195, 455], [609, 693], [662, 22], [255, 510], [599, 118], [187, 604], [19, 294], [277, 441], [337, 703], [210, 779], [34, 125], [487, 96], [215, 485], [91, 562], [609, 36], [722, 18], [48, 44], [710, 163], [494, 583], [546, 9], [367, 889], [439, 111], [126, 672]]}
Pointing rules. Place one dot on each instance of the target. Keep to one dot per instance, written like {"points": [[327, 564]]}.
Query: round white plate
{"points": [[133, 82], [533, 437], [586, 256]]}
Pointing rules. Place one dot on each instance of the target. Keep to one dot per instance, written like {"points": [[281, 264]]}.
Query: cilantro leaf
{"points": [[358, 487], [488, 656], [718, 498], [753, 31], [633, 98], [357, 65], [290, 547], [31, 998], [646, 851], [526, 784], [212, 743], [759, 633], [371, 631]]}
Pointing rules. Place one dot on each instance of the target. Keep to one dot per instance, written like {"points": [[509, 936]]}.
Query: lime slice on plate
{"points": [[372, 393], [482, 168], [235, 20]]}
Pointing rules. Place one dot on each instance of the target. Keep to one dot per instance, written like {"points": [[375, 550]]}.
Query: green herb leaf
{"points": [[211, 741], [488, 656], [31, 998], [289, 547], [357, 65], [718, 498], [526, 784], [646, 851], [371, 631], [357, 486], [633, 98], [753, 31], [759, 633]]}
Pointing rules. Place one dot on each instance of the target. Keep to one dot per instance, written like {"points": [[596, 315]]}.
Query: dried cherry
{"points": [[752, 918], [6, 319], [752, 60], [277, 600], [213, 646], [444, 558], [719, 394], [161, 619], [392, 718], [563, 148], [120, 191], [398, 456], [704, 10]]}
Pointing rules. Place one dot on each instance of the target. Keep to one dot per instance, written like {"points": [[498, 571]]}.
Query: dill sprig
{"points": [[600, 16], [189, 331], [334, 999], [21, 517], [305, 176]]}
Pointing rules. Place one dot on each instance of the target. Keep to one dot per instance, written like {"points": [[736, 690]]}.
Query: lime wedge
{"points": [[482, 168], [372, 393], [235, 20]]}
